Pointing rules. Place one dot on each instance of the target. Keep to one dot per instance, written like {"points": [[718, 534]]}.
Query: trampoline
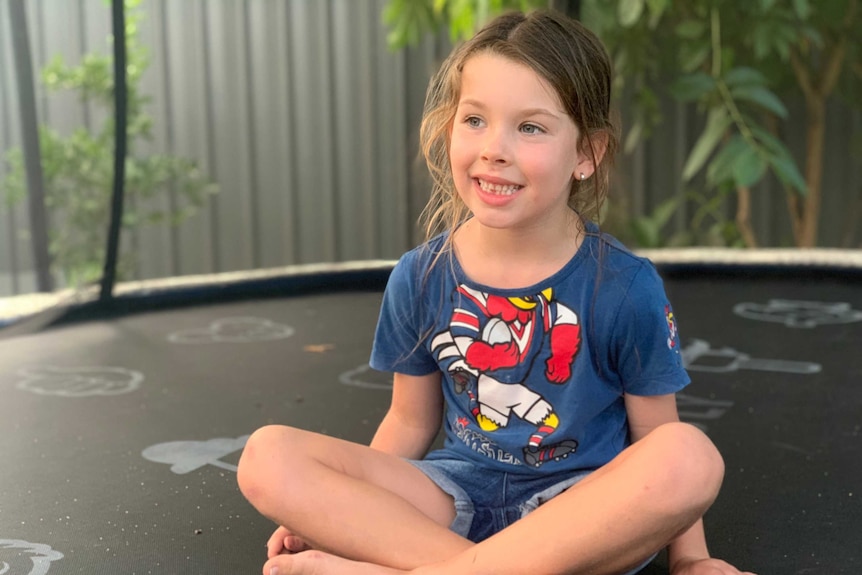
{"points": [[121, 425], [123, 413]]}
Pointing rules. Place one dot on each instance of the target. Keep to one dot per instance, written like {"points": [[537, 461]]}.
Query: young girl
{"points": [[553, 349]]}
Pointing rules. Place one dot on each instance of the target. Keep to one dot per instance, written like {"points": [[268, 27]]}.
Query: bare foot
{"points": [[319, 563]]}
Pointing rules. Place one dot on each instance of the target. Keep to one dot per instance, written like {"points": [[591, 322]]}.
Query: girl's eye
{"points": [[473, 121], [531, 129]]}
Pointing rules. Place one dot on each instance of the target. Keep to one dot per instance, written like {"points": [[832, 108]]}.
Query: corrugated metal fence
{"points": [[296, 109], [308, 124]]}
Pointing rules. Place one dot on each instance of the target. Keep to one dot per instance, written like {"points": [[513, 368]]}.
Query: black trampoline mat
{"points": [[120, 436]]}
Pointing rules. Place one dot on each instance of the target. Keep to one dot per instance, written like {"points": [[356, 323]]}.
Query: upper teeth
{"points": [[498, 188]]}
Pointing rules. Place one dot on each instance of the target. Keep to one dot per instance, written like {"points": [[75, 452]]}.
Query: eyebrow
{"points": [[527, 112]]}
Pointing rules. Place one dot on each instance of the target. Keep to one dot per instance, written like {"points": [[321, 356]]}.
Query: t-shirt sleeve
{"points": [[646, 347], [400, 326]]}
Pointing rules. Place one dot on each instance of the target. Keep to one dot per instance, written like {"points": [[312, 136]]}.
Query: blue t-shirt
{"points": [[533, 378]]}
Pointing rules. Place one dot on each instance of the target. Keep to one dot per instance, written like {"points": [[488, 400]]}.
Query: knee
{"points": [[694, 468], [266, 453]]}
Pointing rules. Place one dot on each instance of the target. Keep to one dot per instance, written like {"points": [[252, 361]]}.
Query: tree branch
{"points": [[803, 78], [743, 216], [831, 71]]}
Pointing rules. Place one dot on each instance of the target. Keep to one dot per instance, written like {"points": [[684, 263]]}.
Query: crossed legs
{"points": [[367, 512]]}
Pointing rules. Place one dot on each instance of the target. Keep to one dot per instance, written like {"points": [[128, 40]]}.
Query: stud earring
{"points": [[583, 177]]}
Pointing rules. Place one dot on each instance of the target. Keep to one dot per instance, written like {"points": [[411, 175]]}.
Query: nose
{"points": [[495, 147]]}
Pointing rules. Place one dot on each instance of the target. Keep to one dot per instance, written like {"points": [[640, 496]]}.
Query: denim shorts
{"points": [[488, 501]]}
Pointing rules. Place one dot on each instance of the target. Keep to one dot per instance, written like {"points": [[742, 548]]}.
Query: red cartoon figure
{"points": [[489, 351]]}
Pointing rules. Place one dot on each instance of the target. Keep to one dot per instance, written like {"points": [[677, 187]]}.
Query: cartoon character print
{"points": [[671, 327], [489, 350]]}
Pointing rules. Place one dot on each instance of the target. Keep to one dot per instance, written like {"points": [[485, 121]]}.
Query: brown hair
{"points": [[574, 63]]}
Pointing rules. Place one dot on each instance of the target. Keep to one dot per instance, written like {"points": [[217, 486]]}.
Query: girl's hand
{"points": [[706, 567], [283, 541]]}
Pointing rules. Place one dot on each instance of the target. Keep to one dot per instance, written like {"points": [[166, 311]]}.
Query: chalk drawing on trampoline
{"points": [[366, 378], [233, 330], [697, 355], [82, 381], [187, 456], [19, 557], [799, 313], [699, 410]]}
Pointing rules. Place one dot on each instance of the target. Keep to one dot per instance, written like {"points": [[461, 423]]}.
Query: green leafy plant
{"points": [[739, 62], [78, 169], [409, 20]]}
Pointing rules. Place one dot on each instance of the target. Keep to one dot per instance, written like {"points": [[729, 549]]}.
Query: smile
{"points": [[498, 189]]}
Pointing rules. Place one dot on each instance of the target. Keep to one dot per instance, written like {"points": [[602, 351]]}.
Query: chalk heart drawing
{"points": [[234, 330], [79, 381], [366, 378], [798, 313], [187, 456], [697, 355], [24, 558]]}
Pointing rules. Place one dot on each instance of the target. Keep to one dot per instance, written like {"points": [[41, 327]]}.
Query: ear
{"points": [[591, 153]]}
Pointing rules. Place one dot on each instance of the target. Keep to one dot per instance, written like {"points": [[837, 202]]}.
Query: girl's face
{"points": [[513, 149]]}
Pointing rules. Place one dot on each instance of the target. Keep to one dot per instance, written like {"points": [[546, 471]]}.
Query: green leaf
{"points": [[482, 12], [773, 145], [692, 59], [664, 211], [629, 12], [786, 170], [762, 97], [744, 76], [692, 87], [407, 20], [646, 233], [720, 168], [748, 168], [716, 124], [647, 229], [634, 136]]}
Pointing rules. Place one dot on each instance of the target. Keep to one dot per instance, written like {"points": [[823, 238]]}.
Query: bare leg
{"points": [[606, 524], [611, 521], [348, 499]]}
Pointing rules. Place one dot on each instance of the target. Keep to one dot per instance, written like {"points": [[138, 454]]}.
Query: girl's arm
{"points": [[645, 413], [414, 416]]}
